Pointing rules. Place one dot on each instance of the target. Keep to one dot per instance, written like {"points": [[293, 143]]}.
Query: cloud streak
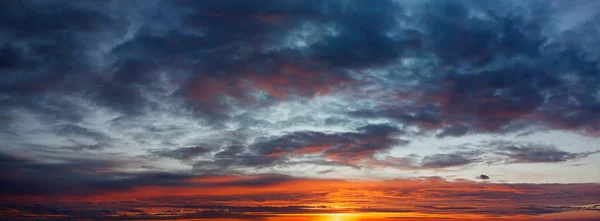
{"points": [[315, 106]]}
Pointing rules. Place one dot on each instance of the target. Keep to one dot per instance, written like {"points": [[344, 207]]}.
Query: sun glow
{"points": [[339, 217]]}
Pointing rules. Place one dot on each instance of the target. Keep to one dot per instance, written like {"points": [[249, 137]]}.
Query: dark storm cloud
{"points": [[482, 40], [361, 26], [48, 52], [483, 101], [504, 69], [225, 53], [44, 48], [362, 41], [500, 72], [490, 100]]}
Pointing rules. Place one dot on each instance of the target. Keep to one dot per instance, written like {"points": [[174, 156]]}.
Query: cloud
{"points": [[492, 153], [215, 68], [326, 171], [231, 98], [455, 131], [25, 176], [483, 177], [341, 149], [484, 87], [279, 194], [281, 74], [350, 147], [503, 152], [538, 154], [445, 160], [182, 153]]}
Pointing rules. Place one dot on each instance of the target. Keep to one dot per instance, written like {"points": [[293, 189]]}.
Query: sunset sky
{"points": [[327, 110]]}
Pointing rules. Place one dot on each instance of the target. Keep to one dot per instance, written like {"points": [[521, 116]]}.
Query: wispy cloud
{"points": [[287, 103]]}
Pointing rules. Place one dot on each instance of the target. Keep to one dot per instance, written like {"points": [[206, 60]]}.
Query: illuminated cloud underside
{"points": [[423, 109]]}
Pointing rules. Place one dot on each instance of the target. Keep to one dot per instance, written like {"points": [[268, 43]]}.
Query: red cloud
{"points": [[426, 196], [281, 83]]}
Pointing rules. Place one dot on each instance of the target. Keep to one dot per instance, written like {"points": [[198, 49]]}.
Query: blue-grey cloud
{"points": [[342, 149], [445, 160], [90, 88], [528, 153], [182, 153]]}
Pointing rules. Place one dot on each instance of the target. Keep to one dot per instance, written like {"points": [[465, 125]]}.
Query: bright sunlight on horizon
{"points": [[300, 110]]}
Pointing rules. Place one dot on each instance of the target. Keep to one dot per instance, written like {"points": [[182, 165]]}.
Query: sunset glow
{"points": [[300, 110]]}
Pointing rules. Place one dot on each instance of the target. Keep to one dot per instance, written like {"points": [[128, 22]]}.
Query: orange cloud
{"points": [[425, 198]]}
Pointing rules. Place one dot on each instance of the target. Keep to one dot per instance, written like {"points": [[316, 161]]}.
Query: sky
{"points": [[331, 110]]}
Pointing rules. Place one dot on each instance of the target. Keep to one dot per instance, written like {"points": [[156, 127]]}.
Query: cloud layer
{"points": [[139, 97]]}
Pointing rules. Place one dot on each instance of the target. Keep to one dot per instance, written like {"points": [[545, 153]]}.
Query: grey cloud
{"points": [[446, 160], [529, 153], [380, 129], [128, 73], [454, 131], [27, 176], [326, 171], [483, 177], [335, 149], [426, 116], [181, 153], [504, 152]]}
